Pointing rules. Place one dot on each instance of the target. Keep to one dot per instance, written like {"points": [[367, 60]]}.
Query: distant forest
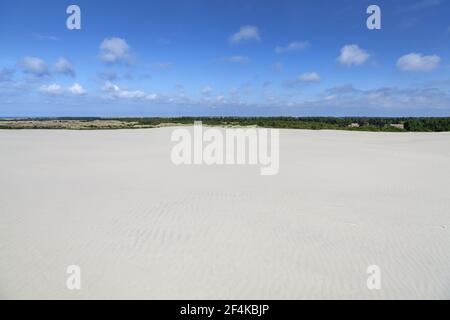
{"points": [[313, 123]]}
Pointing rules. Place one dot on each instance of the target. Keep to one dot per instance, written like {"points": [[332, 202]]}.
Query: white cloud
{"points": [[110, 87], [353, 55], [63, 66], [52, 89], [293, 46], [245, 33], [309, 77], [77, 89], [239, 59], [348, 96], [418, 62], [117, 92], [56, 89], [206, 91], [113, 50], [34, 66], [303, 79], [152, 97]]}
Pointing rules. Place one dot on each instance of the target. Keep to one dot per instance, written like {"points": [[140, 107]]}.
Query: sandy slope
{"points": [[139, 227]]}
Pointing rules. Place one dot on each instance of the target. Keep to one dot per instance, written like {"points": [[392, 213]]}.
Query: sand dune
{"points": [[139, 227]]}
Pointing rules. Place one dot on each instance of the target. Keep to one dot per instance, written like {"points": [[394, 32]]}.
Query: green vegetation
{"points": [[428, 124], [312, 123]]}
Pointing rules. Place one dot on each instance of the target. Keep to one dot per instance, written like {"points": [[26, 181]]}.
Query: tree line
{"points": [[399, 124]]}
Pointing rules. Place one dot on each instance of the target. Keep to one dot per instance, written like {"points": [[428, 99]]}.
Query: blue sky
{"points": [[224, 57]]}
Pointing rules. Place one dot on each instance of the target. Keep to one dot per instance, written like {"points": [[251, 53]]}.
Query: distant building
{"points": [[398, 125], [354, 125]]}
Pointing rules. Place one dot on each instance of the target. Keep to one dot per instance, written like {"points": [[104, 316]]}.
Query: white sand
{"points": [[139, 227]]}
